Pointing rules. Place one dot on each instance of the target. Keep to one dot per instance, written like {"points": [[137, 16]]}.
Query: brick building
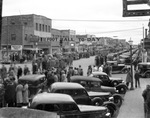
{"points": [[26, 32]]}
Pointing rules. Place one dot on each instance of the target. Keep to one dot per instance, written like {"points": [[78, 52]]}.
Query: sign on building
{"points": [[16, 47]]}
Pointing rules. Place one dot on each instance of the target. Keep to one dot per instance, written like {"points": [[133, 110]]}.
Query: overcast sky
{"points": [[108, 14]]}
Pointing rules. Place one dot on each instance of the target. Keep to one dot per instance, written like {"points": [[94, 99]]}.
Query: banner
{"points": [[16, 47]]}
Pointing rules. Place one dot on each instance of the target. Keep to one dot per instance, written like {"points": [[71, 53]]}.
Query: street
{"points": [[132, 106]]}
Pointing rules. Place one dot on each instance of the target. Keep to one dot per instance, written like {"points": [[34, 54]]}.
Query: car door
{"points": [[105, 80]]}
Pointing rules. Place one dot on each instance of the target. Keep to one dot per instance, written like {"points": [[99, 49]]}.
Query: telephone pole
{"points": [[1, 5]]}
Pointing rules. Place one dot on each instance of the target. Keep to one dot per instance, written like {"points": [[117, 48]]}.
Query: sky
{"points": [[102, 18]]}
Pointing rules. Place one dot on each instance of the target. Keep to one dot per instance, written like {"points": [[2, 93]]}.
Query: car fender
{"points": [[121, 85], [109, 103], [97, 99], [117, 96], [146, 72]]}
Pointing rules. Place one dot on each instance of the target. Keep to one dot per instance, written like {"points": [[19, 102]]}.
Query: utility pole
{"points": [[1, 4]]}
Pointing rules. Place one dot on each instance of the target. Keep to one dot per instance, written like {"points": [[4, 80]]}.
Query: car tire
{"points": [[111, 110], [97, 102], [147, 75], [118, 101], [122, 90]]}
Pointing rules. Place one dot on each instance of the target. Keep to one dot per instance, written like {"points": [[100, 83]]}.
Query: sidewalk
{"points": [[132, 106]]}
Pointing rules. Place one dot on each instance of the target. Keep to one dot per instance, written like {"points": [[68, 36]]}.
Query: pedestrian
{"points": [[128, 77], [26, 70], [25, 94], [19, 95], [89, 71], [100, 69], [94, 68], [3, 72], [146, 97], [137, 78], [80, 70], [63, 76], [19, 73], [10, 92]]}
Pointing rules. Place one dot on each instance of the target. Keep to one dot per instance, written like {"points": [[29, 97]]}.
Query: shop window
{"points": [[13, 37]]}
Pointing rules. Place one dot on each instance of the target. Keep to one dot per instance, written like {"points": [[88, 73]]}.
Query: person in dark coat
{"points": [[19, 73], [146, 97], [10, 92], [35, 68], [26, 70], [3, 72], [137, 79]]}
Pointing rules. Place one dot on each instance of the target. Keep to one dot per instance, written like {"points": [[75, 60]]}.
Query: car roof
{"points": [[66, 85], [84, 78], [32, 77], [98, 73], [144, 63], [44, 98]]}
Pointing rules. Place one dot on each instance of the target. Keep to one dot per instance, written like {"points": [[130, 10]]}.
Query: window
{"points": [[49, 29], [25, 38], [37, 26], [13, 36], [40, 27], [43, 28]]}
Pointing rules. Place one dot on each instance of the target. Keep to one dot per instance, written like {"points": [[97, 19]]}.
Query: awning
{"points": [[32, 49]]}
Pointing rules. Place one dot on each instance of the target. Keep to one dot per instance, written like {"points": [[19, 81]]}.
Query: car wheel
{"points": [[98, 102], [115, 83], [118, 100], [111, 110], [147, 75], [125, 71], [122, 90]]}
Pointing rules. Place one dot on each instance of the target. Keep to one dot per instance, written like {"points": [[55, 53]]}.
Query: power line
{"points": [[77, 20], [124, 30]]}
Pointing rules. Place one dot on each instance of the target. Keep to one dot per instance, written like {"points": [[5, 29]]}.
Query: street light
{"points": [[130, 43]]}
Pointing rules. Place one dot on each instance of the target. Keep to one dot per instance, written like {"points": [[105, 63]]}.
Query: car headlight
{"points": [[108, 115], [111, 98]]}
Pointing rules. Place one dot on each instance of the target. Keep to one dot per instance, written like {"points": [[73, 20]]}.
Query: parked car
{"points": [[118, 83], [35, 83], [14, 112], [81, 96], [94, 84], [144, 69], [118, 68], [66, 107]]}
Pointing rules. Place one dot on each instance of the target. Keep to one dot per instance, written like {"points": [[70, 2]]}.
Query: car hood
{"points": [[89, 108], [114, 78], [108, 89], [97, 94]]}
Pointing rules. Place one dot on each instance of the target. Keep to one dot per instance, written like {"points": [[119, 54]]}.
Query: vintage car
{"points": [[81, 96], [65, 106], [14, 112], [118, 68], [92, 84], [144, 69], [35, 82], [118, 83]]}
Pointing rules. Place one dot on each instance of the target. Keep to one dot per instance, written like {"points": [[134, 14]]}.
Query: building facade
{"points": [[26, 32]]}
